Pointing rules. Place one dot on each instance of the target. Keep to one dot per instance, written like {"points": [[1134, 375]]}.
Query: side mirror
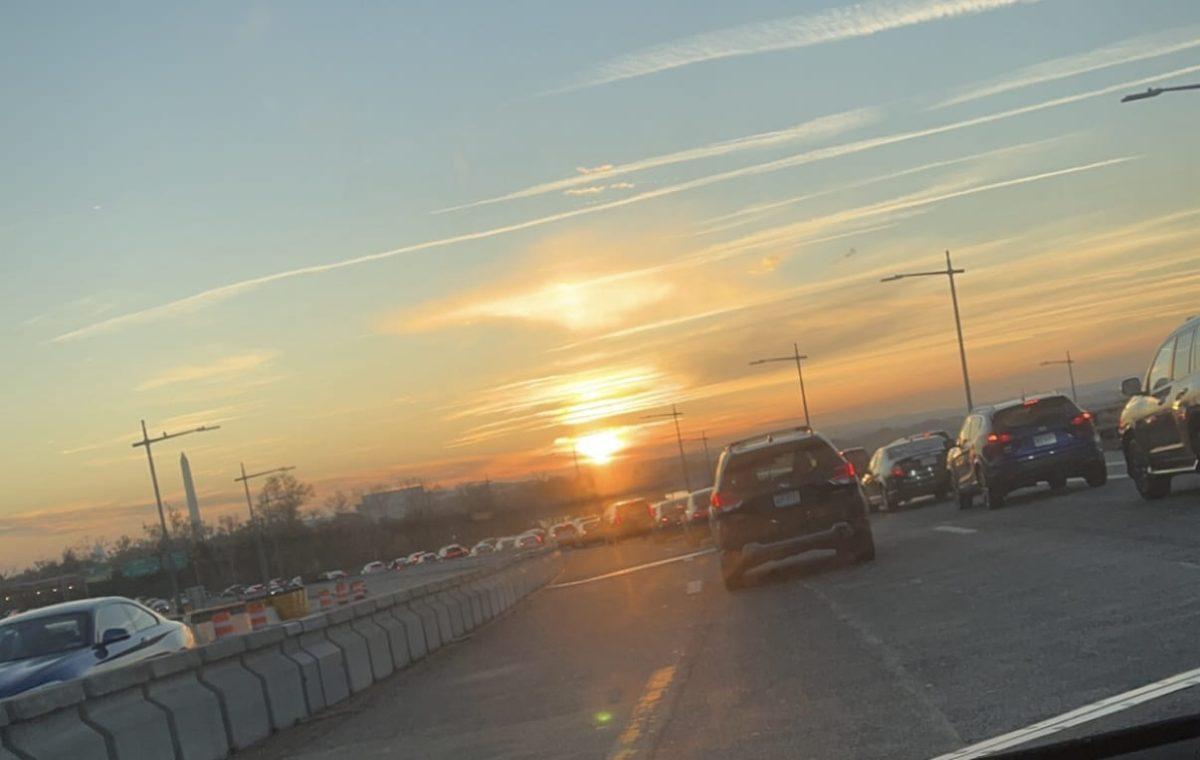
{"points": [[1131, 386], [113, 635]]}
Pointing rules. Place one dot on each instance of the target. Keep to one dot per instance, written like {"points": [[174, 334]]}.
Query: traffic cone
{"points": [[222, 624], [326, 599]]}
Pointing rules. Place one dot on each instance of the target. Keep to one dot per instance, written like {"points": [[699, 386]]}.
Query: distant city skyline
{"points": [[429, 241]]}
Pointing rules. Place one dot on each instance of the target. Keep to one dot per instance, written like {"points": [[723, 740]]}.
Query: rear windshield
{"points": [[917, 448], [1045, 412], [799, 463], [44, 635], [560, 529]]}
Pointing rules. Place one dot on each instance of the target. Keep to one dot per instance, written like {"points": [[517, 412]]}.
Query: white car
{"points": [[529, 540], [481, 548], [508, 543], [371, 568], [332, 575]]}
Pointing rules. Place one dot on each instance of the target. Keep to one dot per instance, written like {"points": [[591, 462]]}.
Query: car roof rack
{"points": [[785, 435]]}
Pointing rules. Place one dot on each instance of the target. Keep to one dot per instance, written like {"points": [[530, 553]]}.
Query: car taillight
{"points": [[843, 473], [897, 471], [1083, 418], [999, 438], [724, 502]]}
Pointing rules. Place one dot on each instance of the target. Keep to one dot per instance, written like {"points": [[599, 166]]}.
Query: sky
{"points": [[447, 241]]}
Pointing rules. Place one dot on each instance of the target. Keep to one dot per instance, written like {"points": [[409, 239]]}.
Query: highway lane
{"points": [[970, 624]]}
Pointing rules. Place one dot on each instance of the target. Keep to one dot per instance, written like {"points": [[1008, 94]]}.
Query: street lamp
{"points": [[948, 272], [796, 357], [257, 521], [1070, 372], [147, 442], [675, 414], [1154, 92]]}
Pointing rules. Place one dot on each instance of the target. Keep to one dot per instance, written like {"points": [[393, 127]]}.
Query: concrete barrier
{"points": [[116, 707], [204, 704], [354, 649], [281, 679], [193, 710], [378, 647], [335, 686], [47, 724], [310, 671], [243, 700], [397, 635]]}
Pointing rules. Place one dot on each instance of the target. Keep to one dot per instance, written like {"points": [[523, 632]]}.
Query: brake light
{"points": [[843, 473], [724, 502], [1083, 418], [1001, 437], [897, 471], [1029, 402]]}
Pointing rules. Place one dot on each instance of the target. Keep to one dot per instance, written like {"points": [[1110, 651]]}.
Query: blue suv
{"points": [[1042, 439]]}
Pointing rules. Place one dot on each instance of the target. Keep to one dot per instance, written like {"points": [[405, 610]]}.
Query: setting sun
{"points": [[600, 447]]}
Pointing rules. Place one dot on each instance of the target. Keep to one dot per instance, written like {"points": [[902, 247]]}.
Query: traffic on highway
{"points": [[413, 380]]}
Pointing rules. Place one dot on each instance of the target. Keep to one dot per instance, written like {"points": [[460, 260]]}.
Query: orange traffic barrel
{"points": [[222, 624], [326, 599], [360, 590], [258, 615], [343, 593]]}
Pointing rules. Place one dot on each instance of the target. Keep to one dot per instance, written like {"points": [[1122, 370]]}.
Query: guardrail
{"points": [[206, 703]]}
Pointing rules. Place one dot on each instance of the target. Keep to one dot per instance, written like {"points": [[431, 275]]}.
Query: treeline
{"points": [[301, 538]]}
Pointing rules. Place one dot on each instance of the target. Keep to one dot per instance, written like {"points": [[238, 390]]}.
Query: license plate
{"points": [[1047, 439], [787, 499]]}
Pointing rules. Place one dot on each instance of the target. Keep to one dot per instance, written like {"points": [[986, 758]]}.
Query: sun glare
{"points": [[600, 447]]}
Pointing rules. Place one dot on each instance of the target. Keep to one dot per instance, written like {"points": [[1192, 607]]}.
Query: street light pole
{"points": [[164, 550], [256, 520], [949, 273], [796, 357], [675, 414], [1154, 92], [1070, 372]]}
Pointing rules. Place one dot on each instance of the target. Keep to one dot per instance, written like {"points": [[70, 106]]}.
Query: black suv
{"points": [[905, 469], [1021, 443], [784, 493], [1160, 425]]}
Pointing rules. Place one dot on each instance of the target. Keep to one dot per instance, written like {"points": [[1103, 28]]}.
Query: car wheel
{"points": [[965, 499], [892, 502], [993, 494], [860, 548], [1149, 486], [1098, 476], [731, 569], [1058, 483]]}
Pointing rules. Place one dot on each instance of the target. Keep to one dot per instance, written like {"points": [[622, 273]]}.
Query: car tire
{"points": [[1058, 483], [993, 493], [892, 503], [1098, 475], [860, 548], [964, 498], [1149, 486], [731, 569]]}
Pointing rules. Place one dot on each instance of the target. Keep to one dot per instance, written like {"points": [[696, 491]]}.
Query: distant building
{"points": [[393, 505]]}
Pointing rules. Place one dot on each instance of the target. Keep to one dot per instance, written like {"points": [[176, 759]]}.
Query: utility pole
{"points": [[256, 520], [948, 272], [165, 557], [1070, 372], [708, 468], [797, 357], [675, 414]]}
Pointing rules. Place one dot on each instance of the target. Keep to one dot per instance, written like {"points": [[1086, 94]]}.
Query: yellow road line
{"points": [[643, 711]]}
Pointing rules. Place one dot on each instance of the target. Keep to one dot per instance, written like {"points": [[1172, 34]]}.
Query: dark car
{"points": [[75, 639], [857, 456], [1043, 439], [783, 493], [1160, 424], [906, 469], [670, 514], [625, 519]]}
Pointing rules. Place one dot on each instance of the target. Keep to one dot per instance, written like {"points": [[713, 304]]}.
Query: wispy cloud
{"points": [[832, 25], [220, 369], [597, 189], [1130, 50], [216, 295], [814, 129]]}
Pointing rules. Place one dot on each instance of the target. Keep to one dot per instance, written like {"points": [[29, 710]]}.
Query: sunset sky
{"points": [[447, 240]]}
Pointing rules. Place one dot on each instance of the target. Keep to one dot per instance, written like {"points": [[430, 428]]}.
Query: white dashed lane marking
{"points": [[955, 529]]}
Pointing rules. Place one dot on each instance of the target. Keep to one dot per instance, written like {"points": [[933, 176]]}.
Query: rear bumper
{"points": [[1030, 469], [911, 489], [759, 538], [833, 537]]}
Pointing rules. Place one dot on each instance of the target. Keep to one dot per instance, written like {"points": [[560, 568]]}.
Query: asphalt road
{"points": [[968, 625], [409, 577]]}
